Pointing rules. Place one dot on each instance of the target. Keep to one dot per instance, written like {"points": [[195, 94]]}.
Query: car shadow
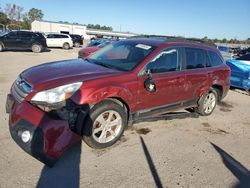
{"points": [[25, 50], [65, 173], [151, 165], [236, 168]]}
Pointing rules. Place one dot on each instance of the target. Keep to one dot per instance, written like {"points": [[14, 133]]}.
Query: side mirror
{"points": [[150, 85]]}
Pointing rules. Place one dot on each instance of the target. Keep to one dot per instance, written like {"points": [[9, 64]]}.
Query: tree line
{"points": [[91, 26], [224, 40], [15, 16]]}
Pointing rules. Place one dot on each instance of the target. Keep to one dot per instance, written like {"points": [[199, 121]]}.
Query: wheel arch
{"points": [[219, 89]]}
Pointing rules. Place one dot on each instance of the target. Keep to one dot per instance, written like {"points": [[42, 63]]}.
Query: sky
{"points": [[189, 18]]}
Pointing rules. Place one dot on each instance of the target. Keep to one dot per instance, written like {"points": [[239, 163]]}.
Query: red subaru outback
{"points": [[54, 105]]}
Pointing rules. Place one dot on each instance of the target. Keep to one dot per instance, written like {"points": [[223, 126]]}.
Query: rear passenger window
{"points": [[57, 36], [25, 34], [64, 36], [196, 58], [214, 58], [165, 61]]}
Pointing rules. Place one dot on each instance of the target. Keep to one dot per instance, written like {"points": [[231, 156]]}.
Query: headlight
{"points": [[57, 94]]}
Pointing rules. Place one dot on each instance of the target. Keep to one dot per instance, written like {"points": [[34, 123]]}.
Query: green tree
{"points": [[35, 14], [25, 24], [4, 19], [224, 40]]}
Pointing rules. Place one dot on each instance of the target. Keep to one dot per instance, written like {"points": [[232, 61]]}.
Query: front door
{"points": [[11, 40], [164, 82]]}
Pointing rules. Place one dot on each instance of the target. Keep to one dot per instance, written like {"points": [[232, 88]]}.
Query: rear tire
{"points": [[66, 46], [104, 125], [207, 102], [36, 48], [77, 44], [1, 48]]}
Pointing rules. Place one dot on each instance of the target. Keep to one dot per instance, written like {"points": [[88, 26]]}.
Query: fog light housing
{"points": [[26, 136]]}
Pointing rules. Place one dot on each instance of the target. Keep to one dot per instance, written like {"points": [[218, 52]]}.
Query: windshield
{"points": [[103, 44], [3, 33], [123, 55]]}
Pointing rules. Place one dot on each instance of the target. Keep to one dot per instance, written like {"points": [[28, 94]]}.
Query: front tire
{"points": [[36, 48], [66, 46], [208, 102], [105, 125]]}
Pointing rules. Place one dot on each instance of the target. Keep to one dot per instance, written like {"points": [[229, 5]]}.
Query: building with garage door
{"points": [[58, 27]]}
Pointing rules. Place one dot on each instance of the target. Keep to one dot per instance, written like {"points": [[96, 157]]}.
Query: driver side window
{"points": [[165, 61], [12, 34]]}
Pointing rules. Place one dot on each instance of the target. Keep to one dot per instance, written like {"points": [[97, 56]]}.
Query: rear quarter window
{"points": [[196, 58], [215, 59]]}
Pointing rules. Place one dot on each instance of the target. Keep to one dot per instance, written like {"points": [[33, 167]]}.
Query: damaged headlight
{"points": [[57, 94]]}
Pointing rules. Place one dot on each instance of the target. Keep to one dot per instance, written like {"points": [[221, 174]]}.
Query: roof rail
{"points": [[176, 39]]}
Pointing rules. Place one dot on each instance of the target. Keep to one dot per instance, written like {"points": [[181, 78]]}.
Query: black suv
{"points": [[22, 40], [77, 40]]}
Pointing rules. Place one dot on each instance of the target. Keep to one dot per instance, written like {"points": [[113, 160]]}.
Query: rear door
{"points": [[50, 40], [197, 75], [25, 39], [168, 80]]}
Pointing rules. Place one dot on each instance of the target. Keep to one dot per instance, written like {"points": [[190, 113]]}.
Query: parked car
{"points": [[225, 52], [52, 106], [77, 40], [59, 40], [22, 40], [240, 72], [88, 51], [96, 42]]}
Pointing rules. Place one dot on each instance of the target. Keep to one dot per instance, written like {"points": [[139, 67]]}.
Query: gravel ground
{"points": [[193, 152]]}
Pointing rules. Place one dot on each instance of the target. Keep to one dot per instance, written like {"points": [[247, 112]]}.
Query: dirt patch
{"points": [[225, 107], [100, 152], [206, 124], [215, 131], [143, 131], [225, 110]]}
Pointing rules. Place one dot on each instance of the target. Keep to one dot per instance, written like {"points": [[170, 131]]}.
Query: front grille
{"points": [[20, 89]]}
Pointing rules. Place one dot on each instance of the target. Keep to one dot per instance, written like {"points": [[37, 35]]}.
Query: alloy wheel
{"points": [[107, 126]]}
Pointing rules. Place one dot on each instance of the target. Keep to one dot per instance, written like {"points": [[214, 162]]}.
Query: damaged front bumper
{"points": [[49, 137]]}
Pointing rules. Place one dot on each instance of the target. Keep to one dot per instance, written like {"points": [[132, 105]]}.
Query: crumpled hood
{"points": [[243, 65], [58, 73]]}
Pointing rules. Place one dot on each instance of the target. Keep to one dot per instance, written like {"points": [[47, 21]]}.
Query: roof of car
{"points": [[54, 33], [163, 40]]}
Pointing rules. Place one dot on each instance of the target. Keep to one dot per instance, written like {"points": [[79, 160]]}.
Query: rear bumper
{"points": [[49, 137]]}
